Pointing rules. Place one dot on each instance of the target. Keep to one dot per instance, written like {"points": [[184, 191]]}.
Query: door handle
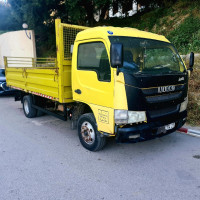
{"points": [[78, 91]]}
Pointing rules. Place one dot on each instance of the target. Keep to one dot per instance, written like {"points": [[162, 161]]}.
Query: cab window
{"points": [[93, 57]]}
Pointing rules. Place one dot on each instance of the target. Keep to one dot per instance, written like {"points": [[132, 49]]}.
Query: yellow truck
{"points": [[109, 81]]}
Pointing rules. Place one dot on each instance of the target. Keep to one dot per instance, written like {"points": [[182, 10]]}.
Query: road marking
{"points": [[191, 134]]}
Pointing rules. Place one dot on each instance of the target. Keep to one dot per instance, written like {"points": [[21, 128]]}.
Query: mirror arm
{"points": [[191, 69], [118, 70]]}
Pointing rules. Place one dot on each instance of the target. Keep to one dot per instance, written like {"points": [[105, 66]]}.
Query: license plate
{"points": [[169, 126]]}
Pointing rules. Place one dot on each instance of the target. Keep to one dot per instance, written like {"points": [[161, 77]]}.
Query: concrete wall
{"points": [[17, 44]]}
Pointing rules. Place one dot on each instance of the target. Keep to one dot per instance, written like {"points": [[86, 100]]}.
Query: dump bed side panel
{"points": [[41, 81]]}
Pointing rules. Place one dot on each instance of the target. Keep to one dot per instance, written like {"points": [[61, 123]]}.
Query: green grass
{"points": [[186, 37]]}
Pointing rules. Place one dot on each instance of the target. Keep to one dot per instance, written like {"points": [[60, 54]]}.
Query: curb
{"points": [[192, 132]]}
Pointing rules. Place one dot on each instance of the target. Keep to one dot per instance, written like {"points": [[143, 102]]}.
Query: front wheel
{"points": [[89, 136]]}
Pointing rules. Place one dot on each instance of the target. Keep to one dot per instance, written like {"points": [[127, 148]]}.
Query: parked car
{"points": [[4, 90]]}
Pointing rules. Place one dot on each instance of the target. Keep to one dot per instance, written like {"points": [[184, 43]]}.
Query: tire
{"points": [[93, 141], [40, 113], [29, 111]]}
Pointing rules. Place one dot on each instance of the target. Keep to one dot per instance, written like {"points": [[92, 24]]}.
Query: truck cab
{"points": [[135, 82]]}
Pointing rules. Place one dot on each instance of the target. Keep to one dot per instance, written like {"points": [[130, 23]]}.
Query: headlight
{"points": [[121, 116], [128, 117], [184, 105], [136, 116]]}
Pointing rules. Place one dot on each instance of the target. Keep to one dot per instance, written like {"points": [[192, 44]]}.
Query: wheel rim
{"points": [[26, 108], [87, 133]]}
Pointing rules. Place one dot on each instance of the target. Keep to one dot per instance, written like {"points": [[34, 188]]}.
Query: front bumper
{"points": [[150, 130]]}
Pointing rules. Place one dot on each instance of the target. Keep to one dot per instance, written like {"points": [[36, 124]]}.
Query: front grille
{"points": [[165, 111], [153, 96], [154, 91], [164, 97], [165, 104]]}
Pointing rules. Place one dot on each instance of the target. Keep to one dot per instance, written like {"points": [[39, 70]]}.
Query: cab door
{"points": [[92, 76]]}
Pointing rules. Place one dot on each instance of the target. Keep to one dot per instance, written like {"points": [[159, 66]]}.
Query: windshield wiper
{"points": [[160, 66]]}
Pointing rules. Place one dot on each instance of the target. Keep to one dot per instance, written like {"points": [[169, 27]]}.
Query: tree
{"points": [[39, 15], [83, 11], [35, 12], [7, 23], [155, 3]]}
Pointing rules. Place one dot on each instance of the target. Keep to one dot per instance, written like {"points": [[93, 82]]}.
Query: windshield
{"points": [[148, 56]]}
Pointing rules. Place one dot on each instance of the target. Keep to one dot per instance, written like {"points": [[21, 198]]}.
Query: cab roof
{"points": [[105, 31]]}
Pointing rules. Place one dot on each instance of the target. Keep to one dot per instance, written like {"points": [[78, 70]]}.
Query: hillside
{"points": [[180, 23]]}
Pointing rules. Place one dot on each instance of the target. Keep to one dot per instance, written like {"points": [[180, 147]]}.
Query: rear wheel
{"points": [[29, 111], [89, 136]]}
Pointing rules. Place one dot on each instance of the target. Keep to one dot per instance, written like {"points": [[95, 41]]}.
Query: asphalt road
{"points": [[42, 159]]}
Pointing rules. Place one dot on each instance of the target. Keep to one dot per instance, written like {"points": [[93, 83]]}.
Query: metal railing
{"points": [[69, 36], [30, 62]]}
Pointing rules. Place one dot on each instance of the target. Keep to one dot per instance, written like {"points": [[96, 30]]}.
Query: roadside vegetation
{"points": [[180, 23], [194, 99], [194, 95]]}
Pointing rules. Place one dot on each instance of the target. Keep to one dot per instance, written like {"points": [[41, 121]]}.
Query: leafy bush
{"points": [[194, 104], [186, 36]]}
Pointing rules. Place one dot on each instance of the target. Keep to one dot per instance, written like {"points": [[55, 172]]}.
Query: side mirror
{"points": [[191, 63], [116, 55]]}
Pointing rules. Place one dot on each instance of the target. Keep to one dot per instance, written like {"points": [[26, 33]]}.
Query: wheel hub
{"points": [[87, 132], [26, 108]]}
